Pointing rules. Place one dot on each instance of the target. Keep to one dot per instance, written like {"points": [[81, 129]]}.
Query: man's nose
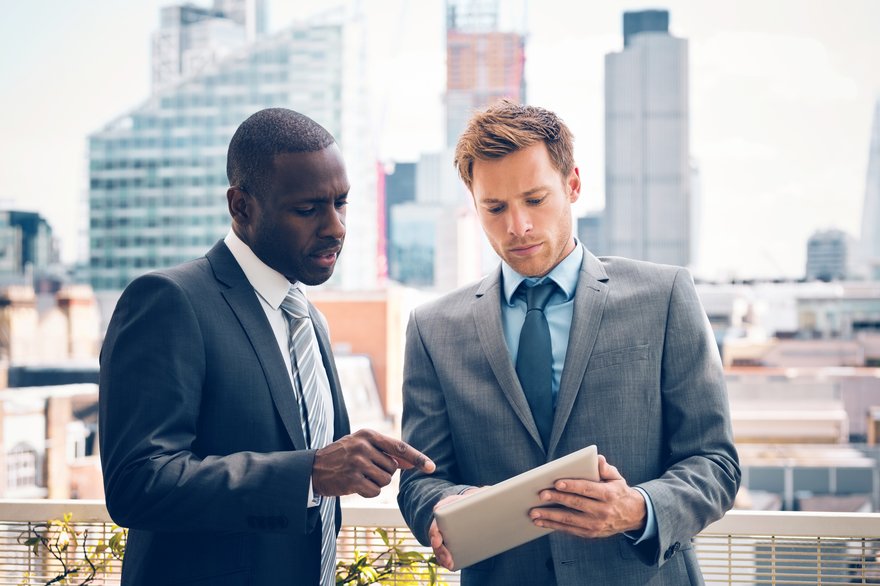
{"points": [[519, 222], [333, 225]]}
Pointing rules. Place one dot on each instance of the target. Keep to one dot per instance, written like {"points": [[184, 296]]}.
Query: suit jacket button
{"points": [[669, 553], [675, 547]]}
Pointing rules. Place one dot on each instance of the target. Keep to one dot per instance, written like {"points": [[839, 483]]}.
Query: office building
{"points": [[399, 187], [36, 328], [648, 176], [644, 21], [48, 447], [158, 173], [253, 15], [590, 232], [439, 239], [832, 255], [28, 251], [870, 236], [413, 243], [192, 37], [483, 63]]}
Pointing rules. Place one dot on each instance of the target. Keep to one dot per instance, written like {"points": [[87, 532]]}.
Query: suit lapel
{"points": [[244, 303], [589, 303], [487, 316]]}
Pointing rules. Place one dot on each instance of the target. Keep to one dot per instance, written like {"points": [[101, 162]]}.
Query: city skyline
{"points": [[782, 98]]}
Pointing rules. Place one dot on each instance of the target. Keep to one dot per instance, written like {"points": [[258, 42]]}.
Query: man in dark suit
{"points": [[500, 378], [224, 435]]}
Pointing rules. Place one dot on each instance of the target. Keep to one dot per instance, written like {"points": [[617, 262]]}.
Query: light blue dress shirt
{"points": [[559, 311]]}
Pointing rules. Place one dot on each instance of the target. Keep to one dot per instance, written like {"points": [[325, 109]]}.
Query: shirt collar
{"points": [[269, 284], [565, 275]]}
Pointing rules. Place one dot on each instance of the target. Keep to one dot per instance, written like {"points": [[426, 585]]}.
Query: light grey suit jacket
{"points": [[201, 440], [642, 380]]}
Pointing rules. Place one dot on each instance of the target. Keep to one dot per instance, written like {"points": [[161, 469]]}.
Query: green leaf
{"points": [[384, 535]]}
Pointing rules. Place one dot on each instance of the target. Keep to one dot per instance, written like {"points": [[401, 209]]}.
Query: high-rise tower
{"points": [[158, 173], [483, 63], [192, 37], [435, 241], [647, 165], [871, 211]]}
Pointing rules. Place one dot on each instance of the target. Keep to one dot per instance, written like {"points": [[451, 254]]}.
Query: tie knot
{"points": [[537, 296], [295, 303]]}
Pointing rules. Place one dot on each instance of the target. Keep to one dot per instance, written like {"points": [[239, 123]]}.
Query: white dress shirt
{"points": [[271, 287]]}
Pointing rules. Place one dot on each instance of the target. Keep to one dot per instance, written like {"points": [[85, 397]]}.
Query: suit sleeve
{"points": [[425, 426], [152, 377], [702, 467]]}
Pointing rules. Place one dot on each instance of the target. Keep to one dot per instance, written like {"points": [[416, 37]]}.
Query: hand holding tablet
{"points": [[495, 519]]}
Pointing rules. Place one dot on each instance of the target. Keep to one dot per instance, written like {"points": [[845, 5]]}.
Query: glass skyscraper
{"points": [[157, 174]]}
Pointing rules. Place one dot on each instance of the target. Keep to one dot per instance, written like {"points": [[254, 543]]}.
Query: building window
{"points": [[80, 440], [21, 467]]}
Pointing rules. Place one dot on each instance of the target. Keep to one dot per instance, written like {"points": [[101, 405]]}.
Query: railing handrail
{"points": [[24, 510], [367, 514], [797, 524]]}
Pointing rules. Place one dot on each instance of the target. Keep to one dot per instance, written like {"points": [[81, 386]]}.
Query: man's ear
{"points": [[240, 205], [574, 185]]}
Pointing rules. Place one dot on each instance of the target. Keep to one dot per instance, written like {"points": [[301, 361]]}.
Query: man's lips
{"points": [[524, 250], [326, 258]]}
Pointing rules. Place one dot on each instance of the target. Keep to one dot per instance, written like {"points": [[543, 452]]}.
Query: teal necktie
{"points": [[534, 359]]}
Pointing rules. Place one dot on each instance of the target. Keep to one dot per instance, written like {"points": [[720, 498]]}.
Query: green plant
{"points": [[81, 559], [407, 568]]}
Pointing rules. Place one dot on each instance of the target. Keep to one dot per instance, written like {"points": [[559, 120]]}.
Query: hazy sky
{"points": [[782, 95]]}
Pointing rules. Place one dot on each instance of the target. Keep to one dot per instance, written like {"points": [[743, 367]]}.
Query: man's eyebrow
{"points": [[527, 193], [324, 198]]}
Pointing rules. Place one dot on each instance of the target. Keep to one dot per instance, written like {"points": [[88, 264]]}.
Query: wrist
{"points": [[639, 517]]}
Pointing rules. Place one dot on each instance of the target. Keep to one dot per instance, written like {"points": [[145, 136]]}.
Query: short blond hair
{"points": [[506, 127]]}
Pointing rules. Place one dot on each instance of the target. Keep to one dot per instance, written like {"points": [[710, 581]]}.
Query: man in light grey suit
{"points": [[225, 441], [632, 367]]}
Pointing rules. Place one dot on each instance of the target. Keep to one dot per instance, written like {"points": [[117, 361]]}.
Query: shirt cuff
{"points": [[313, 499], [650, 529]]}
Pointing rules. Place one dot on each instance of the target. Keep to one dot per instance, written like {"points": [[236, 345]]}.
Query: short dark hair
{"points": [[263, 135], [506, 127]]}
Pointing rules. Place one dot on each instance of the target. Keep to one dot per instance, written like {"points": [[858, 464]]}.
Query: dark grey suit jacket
{"points": [[201, 441], [642, 380]]}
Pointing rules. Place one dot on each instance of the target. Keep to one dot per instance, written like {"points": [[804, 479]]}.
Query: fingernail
{"points": [[562, 485], [545, 496]]}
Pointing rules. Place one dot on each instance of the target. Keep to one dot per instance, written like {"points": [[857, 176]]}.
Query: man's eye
{"points": [[535, 201], [495, 209], [341, 204], [304, 211]]}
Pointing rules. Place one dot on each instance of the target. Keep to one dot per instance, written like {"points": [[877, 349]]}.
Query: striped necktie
{"points": [[304, 361]]}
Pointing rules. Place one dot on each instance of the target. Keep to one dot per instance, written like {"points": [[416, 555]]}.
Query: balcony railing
{"points": [[744, 547]]}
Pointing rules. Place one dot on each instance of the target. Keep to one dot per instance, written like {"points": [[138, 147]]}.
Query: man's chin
{"points": [[532, 268], [317, 276]]}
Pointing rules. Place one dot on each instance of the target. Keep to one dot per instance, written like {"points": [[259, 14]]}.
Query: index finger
{"points": [[406, 455]]}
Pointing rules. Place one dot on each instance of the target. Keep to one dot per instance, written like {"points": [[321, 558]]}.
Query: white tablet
{"points": [[497, 518]]}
